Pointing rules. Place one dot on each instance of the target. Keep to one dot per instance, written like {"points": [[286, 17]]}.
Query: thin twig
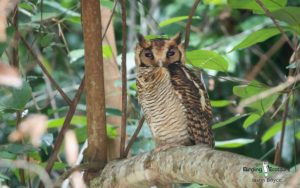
{"points": [[264, 59], [124, 81], [6, 163], [35, 56], [134, 136], [268, 92], [67, 121], [189, 23], [110, 19], [266, 10], [277, 160]]}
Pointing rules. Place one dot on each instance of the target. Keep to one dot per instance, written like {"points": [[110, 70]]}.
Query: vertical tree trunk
{"points": [[113, 98], [95, 94]]}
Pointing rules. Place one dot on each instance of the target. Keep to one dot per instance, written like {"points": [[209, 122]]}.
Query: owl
{"points": [[173, 99]]}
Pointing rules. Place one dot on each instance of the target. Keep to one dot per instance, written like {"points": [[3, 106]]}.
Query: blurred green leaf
{"points": [[228, 121], [76, 120], [74, 55], [152, 37], [235, 143], [175, 19], [81, 132], [221, 103], [251, 119], [254, 88], [256, 37], [215, 2], [61, 9], [272, 131], [47, 39], [107, 51], [16, 98], [293, 65], [113, 112], [252, 5], [9, 32], [7, 155], [290, 15], [207, 59], [17, 148], [45, 16], [298, 135]]}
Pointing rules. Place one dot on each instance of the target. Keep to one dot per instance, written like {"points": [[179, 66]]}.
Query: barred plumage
{"points": [[174, 100]]}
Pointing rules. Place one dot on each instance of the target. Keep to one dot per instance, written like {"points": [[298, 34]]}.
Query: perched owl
{"points": [[174, 100]]}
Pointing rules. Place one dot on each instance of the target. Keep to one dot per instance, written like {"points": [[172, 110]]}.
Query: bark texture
{"points": [[194, 164]]}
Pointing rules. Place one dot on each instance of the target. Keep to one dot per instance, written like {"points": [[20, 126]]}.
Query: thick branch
{"points": [[197, 164]]}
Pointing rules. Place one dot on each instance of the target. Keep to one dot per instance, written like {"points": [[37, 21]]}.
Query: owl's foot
{"points": [[165, 147]]}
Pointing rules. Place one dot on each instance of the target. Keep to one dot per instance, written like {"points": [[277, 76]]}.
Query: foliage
{"points": [[227, 40]]}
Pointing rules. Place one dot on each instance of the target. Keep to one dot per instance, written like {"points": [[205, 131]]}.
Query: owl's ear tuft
{"points": [[141, 38], [177, 38]]}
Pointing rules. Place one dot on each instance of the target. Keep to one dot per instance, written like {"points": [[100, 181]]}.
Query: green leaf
{"points": [[107, 52], [111, 131], [252, 5], [152, 37], [256, 37], [272, 131], [76, 120], [77, 54], [221, 103], [9, 32], [46, 16], [254, 88], [57, 6], [175, 19], [47, 39], [17, 148], [215, 2], [81, 132], [16, 98], [251, 119], [7, 155], [113, 112], [74, 55], [290, 15], [235, 143], [228, 121], [298, 135], [293, 65], [207, 59]]}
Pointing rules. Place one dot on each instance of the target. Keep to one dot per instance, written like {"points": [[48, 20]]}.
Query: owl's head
{"points": [[159, 52]]}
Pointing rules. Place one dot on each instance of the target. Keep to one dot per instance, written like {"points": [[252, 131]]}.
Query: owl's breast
{"points": [[162, 108]]}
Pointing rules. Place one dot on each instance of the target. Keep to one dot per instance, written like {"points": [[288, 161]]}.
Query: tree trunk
{"points": [[95, 95], [195, 164]]}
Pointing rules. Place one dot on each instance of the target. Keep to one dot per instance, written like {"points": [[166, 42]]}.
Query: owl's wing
{"points": [[194, 97]]}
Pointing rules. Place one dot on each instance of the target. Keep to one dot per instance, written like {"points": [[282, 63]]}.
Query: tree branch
{"points": [[189, 23], [194, 164], [124, 81]]}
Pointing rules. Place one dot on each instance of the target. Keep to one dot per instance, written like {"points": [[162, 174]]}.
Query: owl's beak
{"points": [[160, 63]]}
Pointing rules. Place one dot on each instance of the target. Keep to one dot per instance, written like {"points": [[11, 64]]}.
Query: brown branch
{"points": [[124, 81], [189, 23], [95, 92], [64, 128], [193, 164], [134, 136], [36, 57], [264, 59], [110, 19], [267, 11]]}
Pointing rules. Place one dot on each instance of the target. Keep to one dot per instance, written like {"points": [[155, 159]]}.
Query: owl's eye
{"points": [[149, 54], [170, 53]]}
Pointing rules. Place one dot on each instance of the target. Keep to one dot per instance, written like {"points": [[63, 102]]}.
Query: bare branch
{"points": [[124, 80], [134, 136], [268, 92], [275, 23], [194, 164], [189, 23]]}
